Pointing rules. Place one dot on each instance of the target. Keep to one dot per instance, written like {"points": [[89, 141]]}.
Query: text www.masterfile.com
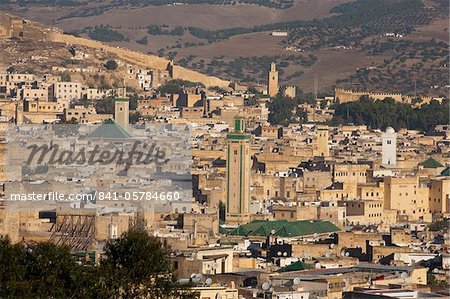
{"points": [[96, 195]]}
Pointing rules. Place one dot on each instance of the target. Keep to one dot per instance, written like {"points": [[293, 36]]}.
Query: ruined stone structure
{"points": [[5, 27], [13, 27]]}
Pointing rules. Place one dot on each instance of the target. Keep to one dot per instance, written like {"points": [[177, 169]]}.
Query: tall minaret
{"points": [[19, 115], [122, 112], [272, 88], [322, 141], [389, 147], [238, 175]]}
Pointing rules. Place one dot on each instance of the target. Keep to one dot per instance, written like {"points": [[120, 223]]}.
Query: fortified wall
{"points": [[148, 61], [346, 95]]}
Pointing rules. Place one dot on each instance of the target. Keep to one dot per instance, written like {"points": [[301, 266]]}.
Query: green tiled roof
{"points": [[109, 129], [223, 230], [238, 136], [446, 172], [431, 163], [283, 228], [239, 231], [297, 266]]}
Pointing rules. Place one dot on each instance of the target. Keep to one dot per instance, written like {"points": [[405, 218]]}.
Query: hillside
{"points": [[375, 45], [49, 47]]}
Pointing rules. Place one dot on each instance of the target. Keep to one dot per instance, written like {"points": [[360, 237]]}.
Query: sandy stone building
{"points": [[407, 196], [272, 88], [439, 196]]}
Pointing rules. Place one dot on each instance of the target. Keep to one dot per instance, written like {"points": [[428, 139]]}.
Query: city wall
{"points": [[149, 61], [347, 95]]}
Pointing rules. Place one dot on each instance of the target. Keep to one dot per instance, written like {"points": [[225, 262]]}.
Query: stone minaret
{"points": [[272, 88], [238, 175], [122, 112], [389, 147]]}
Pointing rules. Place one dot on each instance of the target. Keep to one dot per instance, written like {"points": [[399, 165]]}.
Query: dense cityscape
{"points": [[126, 174]]}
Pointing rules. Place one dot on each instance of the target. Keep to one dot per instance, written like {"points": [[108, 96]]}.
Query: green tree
{"points": [[51, 271], [105, 106], [11, 69], [134, 117], [142, 41], [136, 265], [176, 85], [253, 101], [133, 101], [139, 266], [439, 225], [105, 34], [12, 269], [281, 110], [41, 270], [111, 65], [388, 112], [65, 77]]}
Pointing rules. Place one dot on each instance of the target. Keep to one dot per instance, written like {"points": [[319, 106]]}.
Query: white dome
{"points": [[390, 130]]}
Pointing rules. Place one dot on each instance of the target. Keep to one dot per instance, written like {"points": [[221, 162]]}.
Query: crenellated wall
{"points": [[347, 95]]}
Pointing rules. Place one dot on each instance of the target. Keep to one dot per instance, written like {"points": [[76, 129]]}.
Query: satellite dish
{"points": [[196, 277], [272, 232], [284, 253], [332, 245], [208, 281], [266, 286], [279, 253], [347, 254], [271, 290], [296, 281], [404, 275]]}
